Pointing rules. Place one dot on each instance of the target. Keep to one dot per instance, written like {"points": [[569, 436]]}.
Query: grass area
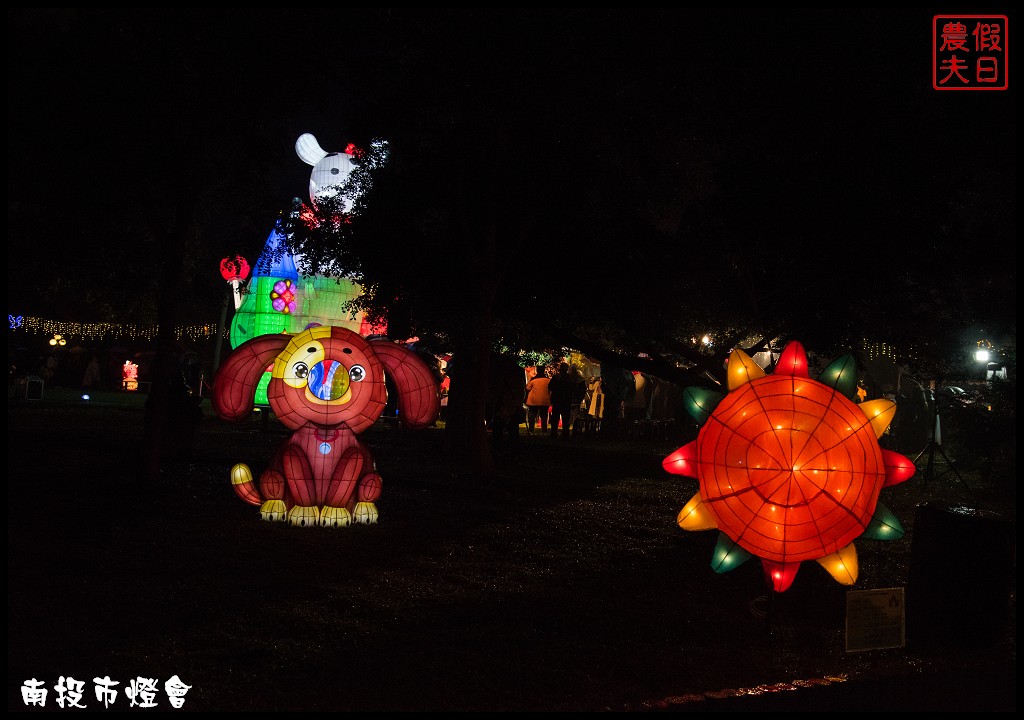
{"points": [[564, 586]]}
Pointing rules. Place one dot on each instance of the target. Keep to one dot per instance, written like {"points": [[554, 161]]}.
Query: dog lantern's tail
{"points": [[241, 481], [245, 488]]}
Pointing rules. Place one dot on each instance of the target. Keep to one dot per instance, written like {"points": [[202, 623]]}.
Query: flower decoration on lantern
{"points": [[283, 297], [789, 467], [308, 216], [312, 220]]}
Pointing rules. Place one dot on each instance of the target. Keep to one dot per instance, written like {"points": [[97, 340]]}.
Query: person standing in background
{"points": [[91, 377], [504, 407], [561, 389], [618, 387], [538, 400]]}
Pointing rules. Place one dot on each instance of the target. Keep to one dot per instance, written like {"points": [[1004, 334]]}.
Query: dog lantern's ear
{"points": [[419, 396], [234, 385]]}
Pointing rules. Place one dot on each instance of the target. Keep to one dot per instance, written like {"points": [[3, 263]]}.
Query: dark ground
{"points": [[566, 587]]}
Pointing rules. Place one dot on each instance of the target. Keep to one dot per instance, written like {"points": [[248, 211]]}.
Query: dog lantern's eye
{"points": [[297, 367], [357, 373]]}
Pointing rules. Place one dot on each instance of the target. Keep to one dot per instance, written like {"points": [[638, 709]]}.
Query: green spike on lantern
{"points": [[700, 403], [884, 525], [728, 555], [841, 374]]}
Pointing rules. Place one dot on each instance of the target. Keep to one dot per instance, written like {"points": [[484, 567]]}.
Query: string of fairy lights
{"points": [[873, 350], [99, 331]]}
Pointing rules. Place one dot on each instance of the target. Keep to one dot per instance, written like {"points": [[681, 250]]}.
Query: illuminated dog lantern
{"points": [[327, 386]]}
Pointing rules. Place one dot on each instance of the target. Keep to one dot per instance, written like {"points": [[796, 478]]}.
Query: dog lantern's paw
{"points": [[335, 517], [304, 516], [274, 511], [365, 513]]}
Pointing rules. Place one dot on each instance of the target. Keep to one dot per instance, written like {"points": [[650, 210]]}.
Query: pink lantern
{"points": [[130, 376]]}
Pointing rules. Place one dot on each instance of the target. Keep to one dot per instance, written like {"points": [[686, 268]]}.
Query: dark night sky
{"points": [[813, 109]]}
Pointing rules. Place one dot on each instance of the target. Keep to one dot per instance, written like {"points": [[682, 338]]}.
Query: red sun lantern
{"points": [[234, 267], [327, 386], [790, 468]]}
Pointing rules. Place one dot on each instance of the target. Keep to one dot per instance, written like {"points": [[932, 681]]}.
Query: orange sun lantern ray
{"points": [[790, 468]]}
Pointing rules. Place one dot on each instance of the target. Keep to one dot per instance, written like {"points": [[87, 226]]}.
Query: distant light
{"points": [[982, 355], [86, 397]]}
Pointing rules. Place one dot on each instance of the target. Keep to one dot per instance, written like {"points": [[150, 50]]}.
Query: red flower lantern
{"points": [[234, 267]]}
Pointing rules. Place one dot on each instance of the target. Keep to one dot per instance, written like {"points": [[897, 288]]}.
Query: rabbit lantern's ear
{"points": [[419, 396], [309, 150], [234, 385]]}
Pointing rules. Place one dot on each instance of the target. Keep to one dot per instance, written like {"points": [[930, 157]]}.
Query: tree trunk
{"points": [[166, 426], [466, 433]]}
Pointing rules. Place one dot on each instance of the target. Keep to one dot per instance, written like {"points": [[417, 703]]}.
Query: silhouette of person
{"points": [[538, 400], [562, 388], [504, 407]]}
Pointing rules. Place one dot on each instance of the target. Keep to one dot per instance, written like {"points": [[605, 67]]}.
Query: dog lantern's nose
{"points": [[328, 380]]}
